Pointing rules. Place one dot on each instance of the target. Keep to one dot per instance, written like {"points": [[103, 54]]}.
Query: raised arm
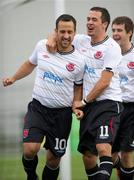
{"points": [[51, 43], [25, 69]]}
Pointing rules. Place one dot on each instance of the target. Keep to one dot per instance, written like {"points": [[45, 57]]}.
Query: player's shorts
{"points": [[54, 123], [99, 124], [125, 136]]}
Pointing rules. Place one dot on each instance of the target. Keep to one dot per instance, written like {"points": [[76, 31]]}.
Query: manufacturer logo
{"points": [[45, 56], [84, 50]]}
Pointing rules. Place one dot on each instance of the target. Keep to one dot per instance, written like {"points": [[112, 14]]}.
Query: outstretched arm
{"points": [[25, 69]]}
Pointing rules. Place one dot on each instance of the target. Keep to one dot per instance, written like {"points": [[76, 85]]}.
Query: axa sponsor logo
{"points": [[123, 80], [98, 55], [89, 70], [130, 65], [52, 77], [70, 67]]}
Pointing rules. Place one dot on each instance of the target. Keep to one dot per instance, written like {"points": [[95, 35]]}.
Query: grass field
{"points": [[11, 167]]}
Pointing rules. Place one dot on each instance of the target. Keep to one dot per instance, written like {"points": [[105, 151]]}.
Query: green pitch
{"points": [[11, 167]]}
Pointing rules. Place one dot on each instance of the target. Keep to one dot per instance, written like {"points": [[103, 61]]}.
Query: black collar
{"points": [[101, 42]]}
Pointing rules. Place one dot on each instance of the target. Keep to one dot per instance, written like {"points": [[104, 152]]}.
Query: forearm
{"points": [[96, 91], [100, 86], [25, 69], [78, 92]]}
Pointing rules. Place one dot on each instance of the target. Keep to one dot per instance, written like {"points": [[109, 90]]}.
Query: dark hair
{"points": [[128, 23], [105, 17], [66, 17]]}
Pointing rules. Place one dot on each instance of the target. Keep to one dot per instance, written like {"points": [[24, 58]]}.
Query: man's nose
{"points": [[66, 35]]}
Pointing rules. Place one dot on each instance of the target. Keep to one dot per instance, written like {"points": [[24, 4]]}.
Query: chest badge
{"points": [[130, 65], [70, 67], [98, 55]]}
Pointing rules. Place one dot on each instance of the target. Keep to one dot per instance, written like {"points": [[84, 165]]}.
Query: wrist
{"points": [[13, 79], [84, 102]]}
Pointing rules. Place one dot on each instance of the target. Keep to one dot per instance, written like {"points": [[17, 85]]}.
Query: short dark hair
{"points": [[66, 17], [128, 23], [105, 14]]}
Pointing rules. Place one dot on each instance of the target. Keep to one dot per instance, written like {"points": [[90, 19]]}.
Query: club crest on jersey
{"points": [[25, 133], [70, 67], [98, 55], [130, 65]]}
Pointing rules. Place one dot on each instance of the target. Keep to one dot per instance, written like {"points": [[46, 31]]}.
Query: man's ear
{"points": [[55, 30], [106, 24], [130, 33]]}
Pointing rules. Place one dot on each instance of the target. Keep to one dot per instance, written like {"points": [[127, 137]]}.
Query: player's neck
{"points": [[65, 50], [126, 47], [98, 39]]}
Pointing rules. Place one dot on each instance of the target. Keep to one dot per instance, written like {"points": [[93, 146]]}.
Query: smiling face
{"points": [[65, 34], [122, 32], [120, 35], [95, 27]]}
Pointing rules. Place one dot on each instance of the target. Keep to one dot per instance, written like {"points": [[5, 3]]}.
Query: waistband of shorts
{"points": [[104, 100], [51, 109], [128, 103]]}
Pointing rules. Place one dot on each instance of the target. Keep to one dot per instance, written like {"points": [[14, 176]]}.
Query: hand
{"points": [[78, 105], [79, 113], [8, 81], [52, 48], [51, 43]]}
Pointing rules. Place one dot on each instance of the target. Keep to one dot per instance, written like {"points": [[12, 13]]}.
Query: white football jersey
{"points": [[105, 55], [126, 72], [56, 75]]}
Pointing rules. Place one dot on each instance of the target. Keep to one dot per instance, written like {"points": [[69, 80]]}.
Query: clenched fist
{"points": [[8, 81]]}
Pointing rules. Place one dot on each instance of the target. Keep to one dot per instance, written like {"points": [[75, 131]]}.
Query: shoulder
{"points": [[42, 42], [112, 47], [82, 37], [113, 44], [81, 40]]}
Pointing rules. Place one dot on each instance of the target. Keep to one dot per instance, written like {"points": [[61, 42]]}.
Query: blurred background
{"points": [[22, 24]]}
